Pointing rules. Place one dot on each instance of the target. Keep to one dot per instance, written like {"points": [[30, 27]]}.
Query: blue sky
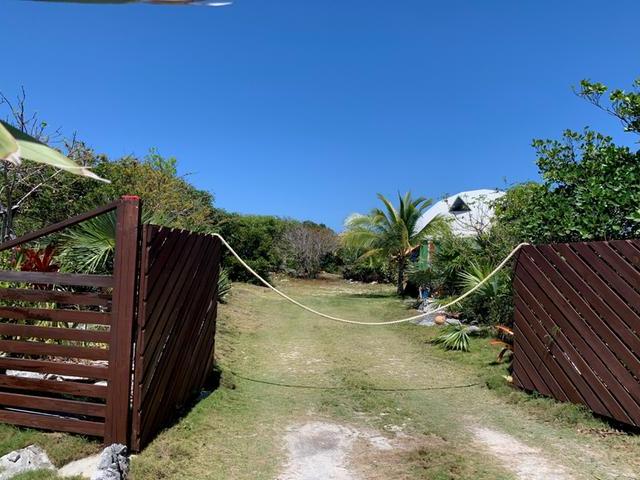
{"points": [[307, 109]]}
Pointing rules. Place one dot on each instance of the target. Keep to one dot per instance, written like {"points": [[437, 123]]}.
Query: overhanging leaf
{"points": [[8, 146], [31, 149]]}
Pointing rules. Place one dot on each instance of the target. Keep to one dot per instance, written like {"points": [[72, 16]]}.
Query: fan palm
{"points": [[476, 274], [391, 232], [89, 247]]}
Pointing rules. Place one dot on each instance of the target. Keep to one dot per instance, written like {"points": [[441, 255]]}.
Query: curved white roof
{"points": [[469, 212]]}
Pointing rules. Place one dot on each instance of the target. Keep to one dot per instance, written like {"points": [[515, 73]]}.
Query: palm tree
{"points": [[392, 233]]}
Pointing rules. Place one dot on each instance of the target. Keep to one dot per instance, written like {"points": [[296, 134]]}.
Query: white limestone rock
{"points": [[24, 460]]}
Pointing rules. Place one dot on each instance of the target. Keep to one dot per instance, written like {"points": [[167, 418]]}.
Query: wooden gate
{"points": [[97, 341], [577, 325], [90, 392], [177, 319]]}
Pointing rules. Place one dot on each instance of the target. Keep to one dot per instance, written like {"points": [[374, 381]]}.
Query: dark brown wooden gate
{"points": [[177, 319], [118, 364], [577, 325], [91, 392]]}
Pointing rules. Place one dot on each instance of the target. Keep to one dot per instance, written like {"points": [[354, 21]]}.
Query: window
{"points": [[459, 206]]}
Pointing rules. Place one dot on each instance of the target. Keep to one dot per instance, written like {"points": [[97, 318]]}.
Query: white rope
{"points": [[355, 322]]}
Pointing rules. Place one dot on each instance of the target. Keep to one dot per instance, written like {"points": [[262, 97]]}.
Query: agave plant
{"points": [[37, 260], [454, 337]]}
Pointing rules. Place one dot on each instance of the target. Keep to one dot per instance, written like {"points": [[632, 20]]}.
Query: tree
{"points": [[391, 233], [170, 198], [256, 238], [308, 244], [590, 186], [25, 136]]}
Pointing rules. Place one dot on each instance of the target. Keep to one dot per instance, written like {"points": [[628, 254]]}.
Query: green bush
{"points": [[257, 240], [590, 186]]}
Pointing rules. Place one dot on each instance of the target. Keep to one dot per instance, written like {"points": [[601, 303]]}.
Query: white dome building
{"points": [[469, 212]]}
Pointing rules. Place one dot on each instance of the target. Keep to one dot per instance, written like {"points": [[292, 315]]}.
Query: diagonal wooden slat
{"points": [[586, 343], [600, 309], [577, 319], [177, 311], [574, 362], [559, 348], [589, 326]]}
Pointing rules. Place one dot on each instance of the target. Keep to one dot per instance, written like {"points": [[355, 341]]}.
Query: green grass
{"points": [[482, 358], [42, 475], [60, 447], [238, 431]]}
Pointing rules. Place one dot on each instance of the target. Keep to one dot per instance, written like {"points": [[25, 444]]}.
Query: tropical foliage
{"points": [[16, 145], [454, 337], [224, 286], [257, 239], [90, 246], [590, 186], [391, 233]]}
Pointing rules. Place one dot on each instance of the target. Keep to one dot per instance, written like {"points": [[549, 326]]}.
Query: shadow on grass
{"points": [[212, 383], [368, 295]]}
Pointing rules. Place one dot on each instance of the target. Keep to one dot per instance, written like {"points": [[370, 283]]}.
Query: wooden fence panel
{"points": [[65, 357], [55, 360], [577, 325], [119, 357], [176, 325]]}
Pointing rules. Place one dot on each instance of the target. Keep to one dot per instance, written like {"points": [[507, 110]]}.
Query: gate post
{"points": [[125, 272]]}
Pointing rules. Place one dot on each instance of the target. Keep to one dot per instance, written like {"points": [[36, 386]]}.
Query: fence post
{"points": [[125, 272]]}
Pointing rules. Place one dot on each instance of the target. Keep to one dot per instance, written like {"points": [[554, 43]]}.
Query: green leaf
{"points": [[8, 146], [31, 149]]}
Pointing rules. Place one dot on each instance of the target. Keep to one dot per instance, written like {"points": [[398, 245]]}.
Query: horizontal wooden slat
{"points": [[51, 278], [57, 296], [55, 423], [56, 227], [59, 405], [74, 334], [98, 372], [39, 348], [53, 386], [54, 315]]}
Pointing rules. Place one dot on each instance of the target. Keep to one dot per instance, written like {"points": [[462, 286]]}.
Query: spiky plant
{"points": [[89, 247], [224, 286], [454, 337], [478, 273]]}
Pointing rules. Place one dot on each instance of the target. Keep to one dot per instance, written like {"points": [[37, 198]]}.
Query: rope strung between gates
{"points": [[356, 322]]}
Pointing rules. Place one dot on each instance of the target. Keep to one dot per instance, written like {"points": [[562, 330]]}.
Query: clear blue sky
{"points": [[308, 108]]}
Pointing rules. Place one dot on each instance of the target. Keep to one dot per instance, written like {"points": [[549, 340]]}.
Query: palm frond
{"points": [[476, 274], [454, 337], [89, 247], [224, 286]]}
